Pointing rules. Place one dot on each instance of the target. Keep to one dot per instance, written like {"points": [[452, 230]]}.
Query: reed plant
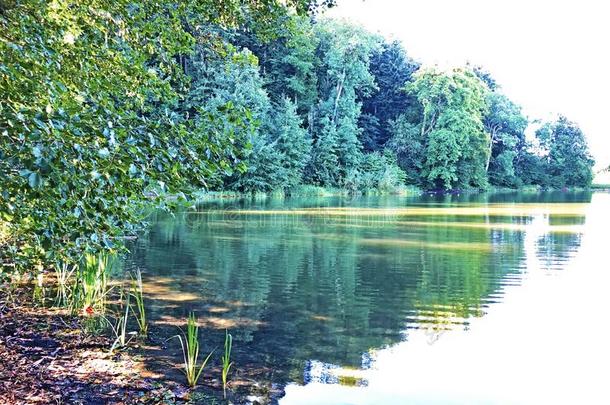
{"points": [[39, 293], [226, 361], [119, 328], [63, 274], [137, 292], [189, 341], [91, 288]]}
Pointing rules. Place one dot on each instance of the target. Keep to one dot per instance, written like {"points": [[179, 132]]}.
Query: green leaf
{"points": [[34, 180], [103, 153]]}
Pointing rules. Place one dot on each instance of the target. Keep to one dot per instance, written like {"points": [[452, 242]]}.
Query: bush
{"points": [[381, 172]]}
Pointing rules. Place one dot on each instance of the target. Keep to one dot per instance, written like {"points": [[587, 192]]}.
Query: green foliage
{"points": [[280, 151], [532, 168], [409, 146], [323, 169], [506, 126], [569, 161], [453, 106], [264, 171], [90, 122], [343, 78], [289, 62], [392, 69], [226, 361], [234, 82], [381, 172], [91, 288], [560, 159], [189, 342], [137, 292], [299, 62], [291, 141], [486, 78]]}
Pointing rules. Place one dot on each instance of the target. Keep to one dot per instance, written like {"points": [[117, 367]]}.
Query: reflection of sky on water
{"points": [[546, 342]]}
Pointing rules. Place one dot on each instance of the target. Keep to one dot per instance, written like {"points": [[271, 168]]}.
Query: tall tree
{"points": [[569, 161], [323, 167], [392, 69], [290, 64], [506, 127], [409, 145], [291, 141], [228, 81], [343, 78], [453, 106], [287, 56]]}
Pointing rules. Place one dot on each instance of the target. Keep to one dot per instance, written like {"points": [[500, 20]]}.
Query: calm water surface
{"points": [[496, 298]]}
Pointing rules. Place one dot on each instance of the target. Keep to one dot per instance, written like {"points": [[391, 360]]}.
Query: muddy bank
{"points": [[47, 357]]}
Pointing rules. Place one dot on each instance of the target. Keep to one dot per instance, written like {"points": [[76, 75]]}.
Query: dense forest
{"points": [[108, 106], [336, 106], [333, 105]]}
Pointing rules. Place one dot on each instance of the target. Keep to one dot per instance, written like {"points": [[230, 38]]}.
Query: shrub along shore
{"points": [[318, 191]]}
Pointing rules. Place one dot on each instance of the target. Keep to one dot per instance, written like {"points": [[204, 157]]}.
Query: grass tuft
{"points": [[119, 329], [226, 361], [189, 341], [91, 287], [63, 274], [137, 292]]}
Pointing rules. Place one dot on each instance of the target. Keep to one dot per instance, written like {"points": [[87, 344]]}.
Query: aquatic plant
{"points": [[63, 273], [226, 361], [39, 289], [137, 292], [119, 329], [189, 342], [95, 324], [91, 288]]}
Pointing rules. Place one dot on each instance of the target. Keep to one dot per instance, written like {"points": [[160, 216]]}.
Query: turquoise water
{"points": [[379, 299]]}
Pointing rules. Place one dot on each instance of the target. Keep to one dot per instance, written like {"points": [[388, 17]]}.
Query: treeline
{"points": [[337, 106], [107, 104]]}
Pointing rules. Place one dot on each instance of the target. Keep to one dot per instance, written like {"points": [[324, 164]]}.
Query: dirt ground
{"points": [[47, 358]]}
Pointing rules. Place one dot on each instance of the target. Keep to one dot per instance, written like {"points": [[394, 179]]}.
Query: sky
{"points": [[551, 57]]}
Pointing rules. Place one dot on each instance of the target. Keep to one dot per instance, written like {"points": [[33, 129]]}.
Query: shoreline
{"points": [[47, 356], [409, 191]]}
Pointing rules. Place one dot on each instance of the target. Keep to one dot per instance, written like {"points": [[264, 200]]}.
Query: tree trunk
{"points": [[339, 90], [492, 137]]}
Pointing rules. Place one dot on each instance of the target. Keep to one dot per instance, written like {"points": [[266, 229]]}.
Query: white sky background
{"points": [[550, 57]]}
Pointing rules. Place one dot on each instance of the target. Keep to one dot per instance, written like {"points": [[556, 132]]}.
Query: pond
{"points": [[471, 298]]}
